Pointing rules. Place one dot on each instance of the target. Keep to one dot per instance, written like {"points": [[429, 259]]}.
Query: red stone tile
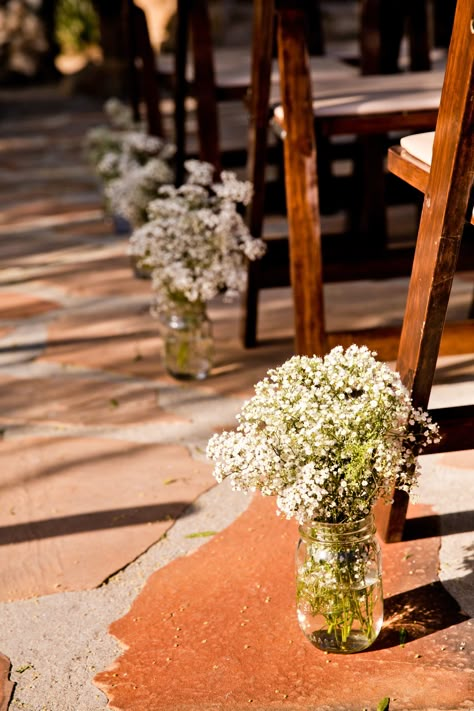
{"points": [[74, 511], [78, 400], [15, 305], [32, 248], [217, 630], [23, 212], [125, 341], [6, 686], [98, 228], [104, 275]]}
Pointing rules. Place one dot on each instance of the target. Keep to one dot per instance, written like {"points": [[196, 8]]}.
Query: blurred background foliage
{"points": [[76, 25]]}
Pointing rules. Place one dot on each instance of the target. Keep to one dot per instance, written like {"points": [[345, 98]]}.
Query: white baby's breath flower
{"points": [[130, 193], [328, 436], [116, 149], [196, 242]]}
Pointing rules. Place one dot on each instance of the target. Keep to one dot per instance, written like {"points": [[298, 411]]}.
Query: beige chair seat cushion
{"points": [[419, 145], [366, 95]]}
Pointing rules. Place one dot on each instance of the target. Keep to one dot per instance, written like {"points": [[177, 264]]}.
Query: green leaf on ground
{"points": [[201, 534], [23, 668], [384, 704]]}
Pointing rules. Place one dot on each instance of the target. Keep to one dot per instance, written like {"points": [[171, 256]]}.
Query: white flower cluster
{"points": [[22, 37], [105, 140], [119, 115], [196, 242], [135, 186], [328, 436], [131, 163], [121, 145]]}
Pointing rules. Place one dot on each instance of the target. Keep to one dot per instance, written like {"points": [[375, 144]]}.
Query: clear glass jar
{"points": [[187, 340], [121, 225], [139, 270], [339, 585]]}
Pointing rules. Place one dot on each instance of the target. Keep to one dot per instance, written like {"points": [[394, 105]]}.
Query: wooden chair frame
{"points": [[447, 208], [295, 80]]}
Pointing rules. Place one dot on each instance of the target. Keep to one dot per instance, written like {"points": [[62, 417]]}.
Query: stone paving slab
{"points": [[218, 631], [97, 271], [76, 510], [16, 305], [71, 398]]}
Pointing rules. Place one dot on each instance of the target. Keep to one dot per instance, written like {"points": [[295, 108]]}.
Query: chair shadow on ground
{"points": [[93, 521], [430, 608], [418, 613], [434, 525]]}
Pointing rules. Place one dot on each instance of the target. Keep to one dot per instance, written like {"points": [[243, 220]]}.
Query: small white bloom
{"points": [[328, 436], [196, 242]]}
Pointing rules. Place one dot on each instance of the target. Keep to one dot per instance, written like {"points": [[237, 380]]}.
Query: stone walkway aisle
{"points": [[105, 490], [101, 451]]}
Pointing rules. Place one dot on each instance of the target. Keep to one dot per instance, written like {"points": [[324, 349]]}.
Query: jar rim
{"points": [[315, 529]]}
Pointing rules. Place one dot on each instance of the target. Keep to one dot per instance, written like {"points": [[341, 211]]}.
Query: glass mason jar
{"points": [[121, 225], [187, 340], [339, 585], [140, 271]]}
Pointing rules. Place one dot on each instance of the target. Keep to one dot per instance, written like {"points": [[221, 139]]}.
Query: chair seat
{"points": [[419, 145], [411, 160], [395, 100], [233, 68]]}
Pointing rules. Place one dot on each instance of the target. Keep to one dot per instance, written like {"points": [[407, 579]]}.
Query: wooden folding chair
{"points": [[218, 79], [365, 106], [448, 206], [299, 109]]}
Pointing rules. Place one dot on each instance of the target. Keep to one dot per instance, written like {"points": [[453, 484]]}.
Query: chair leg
{"points": [[380, 36], [204, 82], [128, 28], [368, 218], [301, 180], [471, 309], [262, 48], [418, 25], [150, 91], [180, 87]]}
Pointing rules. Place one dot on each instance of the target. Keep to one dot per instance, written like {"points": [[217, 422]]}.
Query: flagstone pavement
{"points": [[129, 579]]}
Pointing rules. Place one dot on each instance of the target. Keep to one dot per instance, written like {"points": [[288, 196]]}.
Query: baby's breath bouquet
{"points": [[106, 138], [136, 174], [329, 437], [195, 240], [130, 163], [196, 245]]}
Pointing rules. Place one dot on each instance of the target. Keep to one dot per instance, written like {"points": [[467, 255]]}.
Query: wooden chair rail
{"points": [[408, 168], [456, 426], [336, 268], [368, 107]]}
